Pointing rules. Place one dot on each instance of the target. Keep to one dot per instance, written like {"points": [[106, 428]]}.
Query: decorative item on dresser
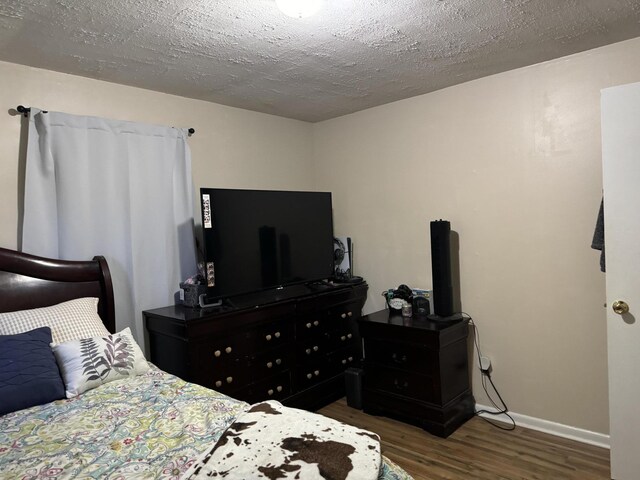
{"points": [[295, 350], [416, 370]]}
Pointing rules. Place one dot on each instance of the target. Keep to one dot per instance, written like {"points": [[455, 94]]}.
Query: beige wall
{"points": [[513, 162], [232, 147]]}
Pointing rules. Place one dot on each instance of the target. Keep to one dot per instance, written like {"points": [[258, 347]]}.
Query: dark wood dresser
{"points": [[294, 350], [417, 370]]}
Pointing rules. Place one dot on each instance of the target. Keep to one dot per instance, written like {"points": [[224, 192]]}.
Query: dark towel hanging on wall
{"points": [[598, 236]]}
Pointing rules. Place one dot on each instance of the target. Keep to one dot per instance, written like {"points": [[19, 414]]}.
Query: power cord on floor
{"points": [[486, 375]]}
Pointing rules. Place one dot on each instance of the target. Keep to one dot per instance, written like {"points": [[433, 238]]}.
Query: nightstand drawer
{"points": [[406, 356], [400, 382]]}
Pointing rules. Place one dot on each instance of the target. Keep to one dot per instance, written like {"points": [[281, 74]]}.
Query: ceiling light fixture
{"points": [[299, 8]]}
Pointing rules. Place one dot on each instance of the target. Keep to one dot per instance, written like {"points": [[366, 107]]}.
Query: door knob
{"points": [[620, 307]]}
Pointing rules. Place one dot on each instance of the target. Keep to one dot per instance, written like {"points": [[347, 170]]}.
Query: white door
{"points": [[621, 169]]}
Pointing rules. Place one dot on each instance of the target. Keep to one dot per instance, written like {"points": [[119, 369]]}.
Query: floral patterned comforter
{"points": [[151, 426]]}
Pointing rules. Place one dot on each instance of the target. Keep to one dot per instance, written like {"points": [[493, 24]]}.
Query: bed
{"points": [[124, 418]]}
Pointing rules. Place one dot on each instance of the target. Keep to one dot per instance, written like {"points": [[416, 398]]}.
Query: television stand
{"points": [[291, 345]]}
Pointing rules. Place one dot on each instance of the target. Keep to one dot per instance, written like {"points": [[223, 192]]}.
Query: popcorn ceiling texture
{"points": [[352, 55]]}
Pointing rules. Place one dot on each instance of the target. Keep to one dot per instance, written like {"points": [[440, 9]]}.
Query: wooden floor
{"points": [[479, 451]]}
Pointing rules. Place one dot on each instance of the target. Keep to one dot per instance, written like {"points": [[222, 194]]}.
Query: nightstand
{"points": [[417, 370]]}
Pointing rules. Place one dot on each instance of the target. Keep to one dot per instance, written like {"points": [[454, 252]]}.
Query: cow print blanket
{"points": [[271, 441]]}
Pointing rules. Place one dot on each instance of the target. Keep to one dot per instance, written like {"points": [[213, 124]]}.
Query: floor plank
{"points": [[478, 450]]}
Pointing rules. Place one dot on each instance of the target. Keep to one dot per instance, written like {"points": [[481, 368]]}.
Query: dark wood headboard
{"points": [[28, 281]]}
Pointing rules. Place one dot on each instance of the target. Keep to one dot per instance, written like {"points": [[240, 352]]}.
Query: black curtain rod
{"points": [[25, 111]]}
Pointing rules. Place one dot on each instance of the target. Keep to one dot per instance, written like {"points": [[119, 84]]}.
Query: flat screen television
{"points": [[257, 240]]}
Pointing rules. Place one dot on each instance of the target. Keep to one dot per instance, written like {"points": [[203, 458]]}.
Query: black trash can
{"points": [[353, 385]]}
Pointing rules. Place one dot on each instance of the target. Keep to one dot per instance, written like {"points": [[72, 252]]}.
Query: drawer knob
{"points": [[278, 361], [229, 379], [268, 338], [349, 335], [308, 351], [269, 364], [270, 392], [219, 383], [349, 314], [396, 358], [343, 338], [217, 353], [309, 375], [308, 325], [279, 388], [316, 323], [277, 334], [344, 315], [316, 373], [228, 349], [344, 362], [315, 348], [351, 359], [400, 386]]}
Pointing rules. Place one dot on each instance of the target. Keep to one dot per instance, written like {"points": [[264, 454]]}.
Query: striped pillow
{"points": [[70, 320]]}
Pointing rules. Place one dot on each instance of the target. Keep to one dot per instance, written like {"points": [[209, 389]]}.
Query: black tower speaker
{"points": [[441, 268]]}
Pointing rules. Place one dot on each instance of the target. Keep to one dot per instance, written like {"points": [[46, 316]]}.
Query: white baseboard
{"points": [[553, 428]]}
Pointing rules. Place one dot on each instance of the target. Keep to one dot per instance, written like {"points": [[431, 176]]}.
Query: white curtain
{"points": [[120, 189]]}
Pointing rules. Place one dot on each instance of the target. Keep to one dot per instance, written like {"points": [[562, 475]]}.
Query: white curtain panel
{"points": [[120, 189]]}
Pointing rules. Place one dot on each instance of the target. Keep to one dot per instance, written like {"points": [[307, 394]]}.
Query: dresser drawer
{"points": [[311, 374], [400, 382], [313, 327], [219, 350], [271, 336], [344, 358], [340, 313], [311, 350], [270, 362], [229, 378], [215, 360], [271, 388], [341, 337], [406, 356]]}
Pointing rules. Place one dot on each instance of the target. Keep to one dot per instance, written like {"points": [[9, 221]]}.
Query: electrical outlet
{"points": [[485, 364]]}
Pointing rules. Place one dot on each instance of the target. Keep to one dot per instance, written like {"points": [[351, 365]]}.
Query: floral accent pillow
{"points": [[90, 362]]}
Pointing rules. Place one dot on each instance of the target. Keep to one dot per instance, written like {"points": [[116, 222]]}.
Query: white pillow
{"points": [[70, 320], [90, 362]]}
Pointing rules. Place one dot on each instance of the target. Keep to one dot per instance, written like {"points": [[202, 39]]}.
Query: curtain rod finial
{"points": [[24, 110]]}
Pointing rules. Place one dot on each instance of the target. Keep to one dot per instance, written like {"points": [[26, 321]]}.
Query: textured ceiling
{"points": [[352, 55]]}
